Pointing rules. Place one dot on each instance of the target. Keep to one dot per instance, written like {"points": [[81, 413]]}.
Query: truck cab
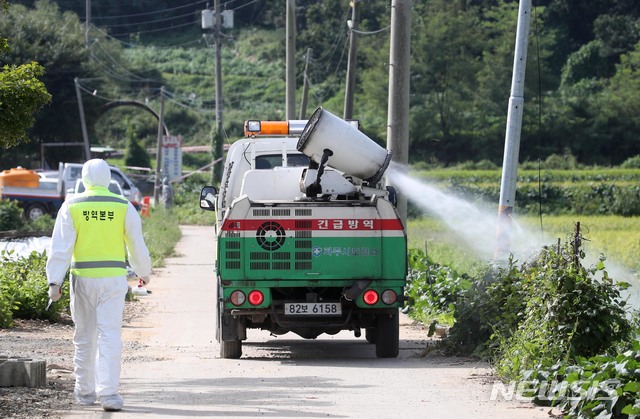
{"points": [[308, 239]]}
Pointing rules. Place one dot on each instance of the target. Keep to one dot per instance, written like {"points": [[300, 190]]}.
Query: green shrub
{"points": [[187, 192], [134, 153], [8, 290], [432, 289], [43, 224], [600, 386], [426, 165], [23, 282], [187, 201], [552, 309], [571, 313], [10, 215], [493, 305], [486, 165], [626, 201], [593, 192], [561, 162], [24, 289], [196, 160], [161, 232], [631, 163], [480, 165]]}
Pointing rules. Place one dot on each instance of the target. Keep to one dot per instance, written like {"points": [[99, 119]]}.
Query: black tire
{"points": [[370, 334], [230, 349], [219, 316], [388, 335], [34, 211]]}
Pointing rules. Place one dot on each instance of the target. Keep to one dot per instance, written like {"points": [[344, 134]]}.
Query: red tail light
{"points": [[370, 297], [256, 297]]}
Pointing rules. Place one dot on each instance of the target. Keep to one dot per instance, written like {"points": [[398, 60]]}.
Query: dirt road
{"points": [[171, 365]]}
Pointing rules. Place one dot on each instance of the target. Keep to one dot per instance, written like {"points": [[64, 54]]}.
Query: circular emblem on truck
{"points": [[270, 236]]}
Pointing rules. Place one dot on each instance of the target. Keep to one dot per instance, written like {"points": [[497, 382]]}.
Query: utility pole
{"points": [[290, 102], [513, 130], [87, 22], [217, 169], [398, 108], [83, 123], [305, 86], [156, 184], [351, 61]]}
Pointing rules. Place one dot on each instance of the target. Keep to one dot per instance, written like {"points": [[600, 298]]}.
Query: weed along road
{"points": [[171, 364]]}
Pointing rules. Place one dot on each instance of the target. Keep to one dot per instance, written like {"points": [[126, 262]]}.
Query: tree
{"points": [[21, 95], [134, 153], [616, 112], [57, 41], [447, 55]]}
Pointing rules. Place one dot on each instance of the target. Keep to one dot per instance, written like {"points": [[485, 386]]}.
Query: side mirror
{"points": [[208, 198]]}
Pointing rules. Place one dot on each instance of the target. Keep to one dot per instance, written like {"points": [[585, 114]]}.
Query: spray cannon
{"points": [[331, 141]]}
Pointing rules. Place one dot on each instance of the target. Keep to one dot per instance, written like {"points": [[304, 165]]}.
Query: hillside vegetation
{"points": [[582, 83]]}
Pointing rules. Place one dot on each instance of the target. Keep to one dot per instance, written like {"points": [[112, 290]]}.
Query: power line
{"points": [[164, 19], [190, 107], [370, 32], [114, 62], [336, 41], [168, 19], [131, 45], [156, 30], [344, 48], [149, 13], [114, 74], [170, 96], [94, 93], [244, 5], [116, 17]]}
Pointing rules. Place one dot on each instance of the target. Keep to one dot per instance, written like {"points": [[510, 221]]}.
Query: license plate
{"points": [[313, 309]]}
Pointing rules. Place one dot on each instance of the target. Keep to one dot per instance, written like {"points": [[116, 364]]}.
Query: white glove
{"points": [[145, 279], [55, 292]]}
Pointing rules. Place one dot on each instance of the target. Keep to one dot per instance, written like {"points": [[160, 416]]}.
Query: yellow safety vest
{"points": [[99, 218]]}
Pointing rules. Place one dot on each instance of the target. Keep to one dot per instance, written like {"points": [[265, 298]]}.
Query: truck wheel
{"points": [[230, 349], [370, 334], [219, 316], [388, 335], [34, 211]]}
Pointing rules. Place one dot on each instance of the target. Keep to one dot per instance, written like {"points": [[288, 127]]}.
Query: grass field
{"points": [[618, 238]]}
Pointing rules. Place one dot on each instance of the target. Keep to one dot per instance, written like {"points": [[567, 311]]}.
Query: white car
{"points": [[114, 187]]}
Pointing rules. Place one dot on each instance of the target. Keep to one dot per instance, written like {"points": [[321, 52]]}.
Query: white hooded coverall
{"points": [[97, 304]]}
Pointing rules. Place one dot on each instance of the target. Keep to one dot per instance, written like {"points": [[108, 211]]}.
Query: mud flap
{"points": [[233, 328]]}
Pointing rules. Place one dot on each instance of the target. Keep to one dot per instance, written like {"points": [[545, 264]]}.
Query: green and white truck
{"points": [[308, 238]]}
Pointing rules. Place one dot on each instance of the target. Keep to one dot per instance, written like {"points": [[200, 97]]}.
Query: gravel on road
{"points": [[39, 339]]}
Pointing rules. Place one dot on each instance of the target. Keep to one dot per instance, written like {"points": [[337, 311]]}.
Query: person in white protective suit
{"points": [[92, 233], [167, 194]]}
